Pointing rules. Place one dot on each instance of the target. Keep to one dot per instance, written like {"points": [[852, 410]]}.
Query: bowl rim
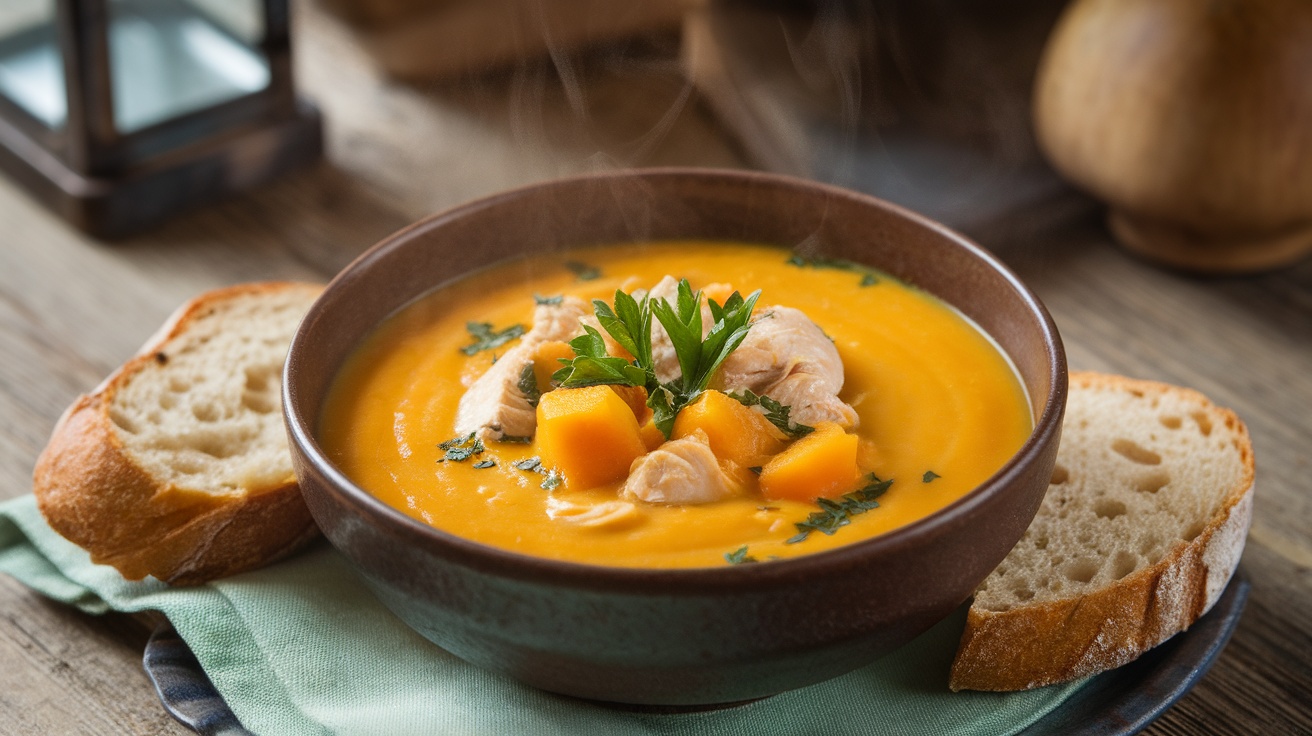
{"points": [[508, 563]]}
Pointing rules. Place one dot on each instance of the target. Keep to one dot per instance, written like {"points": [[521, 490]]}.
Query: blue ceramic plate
{"points": [[1122, 701]]}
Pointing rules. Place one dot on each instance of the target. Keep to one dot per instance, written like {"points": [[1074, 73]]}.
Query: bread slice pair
{"points": [[1142, 527], [177, 465]]}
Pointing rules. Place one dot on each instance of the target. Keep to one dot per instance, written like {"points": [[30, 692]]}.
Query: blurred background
{"points": [[426, 103], [1188, 121]]}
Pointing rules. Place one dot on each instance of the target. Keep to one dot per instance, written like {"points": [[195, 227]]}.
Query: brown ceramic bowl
{"points": [[681, 637]]}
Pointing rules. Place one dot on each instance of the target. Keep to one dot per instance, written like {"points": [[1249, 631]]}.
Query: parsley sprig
{"points": [[776, 412], [593, 366], [629, 322], [833, 515]]}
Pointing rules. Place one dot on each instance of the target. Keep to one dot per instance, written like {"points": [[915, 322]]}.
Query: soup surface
{"points": [[940, 410]]}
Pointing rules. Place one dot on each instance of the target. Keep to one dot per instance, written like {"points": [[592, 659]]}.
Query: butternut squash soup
{"points": [[674, 404]]}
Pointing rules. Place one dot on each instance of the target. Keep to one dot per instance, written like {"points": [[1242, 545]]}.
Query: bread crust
{"points": [[1061, 640], [92, 491]]}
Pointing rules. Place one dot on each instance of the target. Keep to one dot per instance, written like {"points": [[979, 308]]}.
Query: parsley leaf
{"points": [[488, 463], [529, 465], [929, 476], [593, 366], [540, 300], [460, 449], [739, 556], [776, 412], [583, 270], [552, 481], [869, 277], [528, 384], [833, 515], [485, 338], [629, 324]]}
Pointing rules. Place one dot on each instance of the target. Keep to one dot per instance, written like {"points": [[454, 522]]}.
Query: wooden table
{"points": [[72, 309]]}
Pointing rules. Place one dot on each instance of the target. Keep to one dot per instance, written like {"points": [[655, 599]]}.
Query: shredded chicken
{"points": [[493, 406], [682, 471], [789, 358], [606, 514]]}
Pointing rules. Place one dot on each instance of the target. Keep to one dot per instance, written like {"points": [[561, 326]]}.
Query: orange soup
{"points": [[937, 410]]}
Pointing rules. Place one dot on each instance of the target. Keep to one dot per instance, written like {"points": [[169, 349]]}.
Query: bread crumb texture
{"points": [[1142, 526], [205, 413]]}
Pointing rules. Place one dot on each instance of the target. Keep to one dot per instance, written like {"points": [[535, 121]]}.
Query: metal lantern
{"points": [[117, 113]]}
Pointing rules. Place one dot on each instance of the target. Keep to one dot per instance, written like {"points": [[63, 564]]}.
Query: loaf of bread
{"points": [[1142, 527], [177, 465]]}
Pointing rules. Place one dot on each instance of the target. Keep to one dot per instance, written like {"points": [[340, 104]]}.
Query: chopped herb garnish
{"points": [[529, 465], [514, 439], [488, 463], [755, 469], [834, 515], [739, 556], [869, 277], [486, 338], [776, 412], [929, 476], [528, 384], [629, 322], [533, 464], [460, 449], [549, 300], [583, 270]]}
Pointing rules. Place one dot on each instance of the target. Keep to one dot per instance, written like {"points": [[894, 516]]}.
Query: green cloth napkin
{"points": [[303, 647]]}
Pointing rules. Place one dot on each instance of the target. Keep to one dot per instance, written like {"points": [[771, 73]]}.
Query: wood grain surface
{"points": [[71, 309]]}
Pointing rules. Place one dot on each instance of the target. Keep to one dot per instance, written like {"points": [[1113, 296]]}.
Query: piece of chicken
{"points": [[681, 471], [493, 407], [789, 358]]}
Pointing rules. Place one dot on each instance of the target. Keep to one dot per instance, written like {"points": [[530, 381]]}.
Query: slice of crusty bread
{"points": [[1140, 531], [177, 465]]}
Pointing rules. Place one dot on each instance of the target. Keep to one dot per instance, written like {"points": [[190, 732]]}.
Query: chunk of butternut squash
{"points": [[819, 465], [636, 398], [589, 435], [652, 436], [735, 432]]}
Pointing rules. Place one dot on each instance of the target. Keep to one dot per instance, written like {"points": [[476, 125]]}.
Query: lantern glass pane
{"points": [[31, 70], [173, 57]]}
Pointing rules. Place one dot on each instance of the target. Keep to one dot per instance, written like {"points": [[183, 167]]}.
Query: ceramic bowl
{"points": [[680, 637]]}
